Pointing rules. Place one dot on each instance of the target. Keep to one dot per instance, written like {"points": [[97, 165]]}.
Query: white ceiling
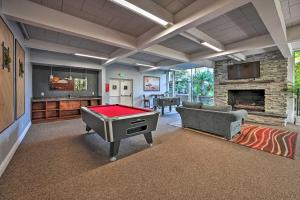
{"points": [[259, 51], [174, 6], [147, 57], [291, 12], [64, 39], [237, 26], [102, 12], [183, 44]]}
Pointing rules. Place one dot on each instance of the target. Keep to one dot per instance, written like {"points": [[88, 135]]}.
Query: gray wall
{"points": [[48, 58], [131, 72], [9, 137], [40, 81]]}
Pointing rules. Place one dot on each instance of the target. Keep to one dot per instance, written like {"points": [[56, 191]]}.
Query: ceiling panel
{"points": [[239, 24], [69, 40], [182, 44], [291, 12], [102, 12], [260, 51], [174, 6], [147, 57]]}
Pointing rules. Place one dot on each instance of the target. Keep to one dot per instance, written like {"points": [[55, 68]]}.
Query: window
{"points": [[170, 83], [203, 85], [297, 81], [195, 84], [297, 69]]}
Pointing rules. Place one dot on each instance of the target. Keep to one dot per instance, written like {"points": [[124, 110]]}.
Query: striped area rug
{"points": [[275, 141]]}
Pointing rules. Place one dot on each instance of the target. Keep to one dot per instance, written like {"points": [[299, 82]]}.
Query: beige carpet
{"points": [[57, 161]]}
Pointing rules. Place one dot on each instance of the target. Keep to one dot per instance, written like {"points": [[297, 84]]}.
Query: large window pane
{"points": [[183, 84], [170, 83], [297, 81], [297, 68], [203, 85], [195, 85]]}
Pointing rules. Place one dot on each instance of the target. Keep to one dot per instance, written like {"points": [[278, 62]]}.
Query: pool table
{"points": [[116, 122]]}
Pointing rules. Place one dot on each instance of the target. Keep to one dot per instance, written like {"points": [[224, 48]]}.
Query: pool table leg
{"points": [[88, 129], [162, 110], [148, 137], [113, 150]]}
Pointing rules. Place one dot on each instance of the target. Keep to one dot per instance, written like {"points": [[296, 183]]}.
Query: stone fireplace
{"points": [[250, 100], [265, 97]]}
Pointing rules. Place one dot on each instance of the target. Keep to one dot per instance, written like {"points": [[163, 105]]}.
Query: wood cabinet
{"points": [[44, 110]]}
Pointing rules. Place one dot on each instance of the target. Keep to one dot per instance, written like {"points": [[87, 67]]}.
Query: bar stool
{"points": [[146, 102]]}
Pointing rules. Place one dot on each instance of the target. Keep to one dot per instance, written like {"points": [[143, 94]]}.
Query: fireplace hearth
{"points": [[250, 100]]}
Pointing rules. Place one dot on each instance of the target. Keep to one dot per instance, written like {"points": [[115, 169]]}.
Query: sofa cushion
{"points": [[191, 105], [226, 108]]}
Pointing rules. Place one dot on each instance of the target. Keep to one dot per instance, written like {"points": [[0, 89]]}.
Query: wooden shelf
{"points": [[44, 110], [70, 116], [52, 118], [68, 109], [38, 110]]}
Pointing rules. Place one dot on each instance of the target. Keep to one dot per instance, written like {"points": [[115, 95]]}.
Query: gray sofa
{"points": [[219, 120]]}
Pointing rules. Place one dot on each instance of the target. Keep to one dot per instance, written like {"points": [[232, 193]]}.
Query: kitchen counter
{"points": [[64, 98]]}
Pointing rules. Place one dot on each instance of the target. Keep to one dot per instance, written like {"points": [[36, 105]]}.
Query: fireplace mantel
{"points": [[232, 82]]}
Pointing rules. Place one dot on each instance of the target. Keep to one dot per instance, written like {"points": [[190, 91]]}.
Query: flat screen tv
{"points": [[244, 71]]}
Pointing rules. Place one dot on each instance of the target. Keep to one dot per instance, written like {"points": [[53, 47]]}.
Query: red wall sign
{"points": [[107, 87]]}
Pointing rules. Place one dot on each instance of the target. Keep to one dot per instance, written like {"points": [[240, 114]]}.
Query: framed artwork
{"points": [[80, 84], [20, 79], [151, 83], [62, 84], [7, 86]]}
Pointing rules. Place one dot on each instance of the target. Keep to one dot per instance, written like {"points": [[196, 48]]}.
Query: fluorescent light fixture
{"points": [[140, 11], [211, 46], [144, 65], [90, 56], [234, 58], [153, 68]]}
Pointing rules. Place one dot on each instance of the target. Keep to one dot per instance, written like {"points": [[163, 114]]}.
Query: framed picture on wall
{"points": [[20, 79], [151, 83], [7, 70], [80, 84]]}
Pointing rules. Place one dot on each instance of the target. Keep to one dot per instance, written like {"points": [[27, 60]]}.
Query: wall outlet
{"points": [[42, 94], [93, 93]]}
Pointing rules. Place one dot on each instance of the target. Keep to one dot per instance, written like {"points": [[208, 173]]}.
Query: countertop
{"points": [[64, 98]]}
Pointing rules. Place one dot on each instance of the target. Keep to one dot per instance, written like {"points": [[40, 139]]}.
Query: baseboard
{"points": [[11, 153]]}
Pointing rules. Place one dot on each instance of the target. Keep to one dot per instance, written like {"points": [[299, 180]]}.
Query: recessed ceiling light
{"points": [[90, 56], [140, 11], [211, 46], [144, 65]]}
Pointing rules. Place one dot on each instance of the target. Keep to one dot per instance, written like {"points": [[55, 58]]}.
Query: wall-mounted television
{"points": [[244, 71]]}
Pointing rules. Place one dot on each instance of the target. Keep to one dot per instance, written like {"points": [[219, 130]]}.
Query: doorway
{"points": [[121, 91]]}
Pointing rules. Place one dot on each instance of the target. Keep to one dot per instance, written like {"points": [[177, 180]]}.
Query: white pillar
{"points": [[291, 100]]}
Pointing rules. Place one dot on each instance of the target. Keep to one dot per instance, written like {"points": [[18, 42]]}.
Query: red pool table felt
{"points": [[117, 110]]}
